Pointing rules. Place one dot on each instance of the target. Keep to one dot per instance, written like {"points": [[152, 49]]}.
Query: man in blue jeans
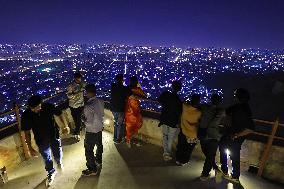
{"points": [[93, 115], [39, 117], [170, 117], [119, 94]]}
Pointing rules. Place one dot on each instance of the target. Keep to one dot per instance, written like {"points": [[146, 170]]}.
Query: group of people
{"points": [[209, 123]]}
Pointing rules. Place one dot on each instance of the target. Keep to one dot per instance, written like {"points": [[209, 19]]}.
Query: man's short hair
{"points": [[119, 77], [176, 85], [195, 99], [77, 75], [91, 88], [34, 101], [216, 99], [242, 95]]}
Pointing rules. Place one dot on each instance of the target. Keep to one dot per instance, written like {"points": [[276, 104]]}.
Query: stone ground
{"points": [[138, 167]]}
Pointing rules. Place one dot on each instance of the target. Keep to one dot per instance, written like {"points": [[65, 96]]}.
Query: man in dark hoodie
{"points": [[119, 94], [170, 117], [241, 125]]}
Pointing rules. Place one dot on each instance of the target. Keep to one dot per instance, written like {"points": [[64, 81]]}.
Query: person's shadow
{"points": [[87, 182]]}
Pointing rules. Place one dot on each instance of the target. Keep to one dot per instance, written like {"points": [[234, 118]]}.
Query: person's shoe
{"points": [[116, 142], [50, 179], [128, 144], [77, 137], [204, 178], [180, 164], [167, 158], [60, 167], [88, 172], [233, 180]]}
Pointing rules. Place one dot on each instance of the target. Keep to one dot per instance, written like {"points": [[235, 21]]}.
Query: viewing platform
{"points": [[140, 166]]}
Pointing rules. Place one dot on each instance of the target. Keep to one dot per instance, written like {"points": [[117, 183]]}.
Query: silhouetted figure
{"points": [[210, 134], [119, 94], [133, 117], [170, 117], [75, 94], [187, 137], [93, 116], [241, 124], [39, 117]]}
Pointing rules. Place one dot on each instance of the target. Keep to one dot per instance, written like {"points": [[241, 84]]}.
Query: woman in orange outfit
{"points": [[133, 117]]}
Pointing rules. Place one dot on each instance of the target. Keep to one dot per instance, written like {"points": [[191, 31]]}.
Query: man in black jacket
{"points": [[119, 94], [170, 117], [241, 125]]}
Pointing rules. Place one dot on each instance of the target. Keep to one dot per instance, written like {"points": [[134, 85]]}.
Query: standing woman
{"points": [[133, 117]]}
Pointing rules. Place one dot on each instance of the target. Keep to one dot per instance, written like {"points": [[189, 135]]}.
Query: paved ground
{"points": [[138, 167]]}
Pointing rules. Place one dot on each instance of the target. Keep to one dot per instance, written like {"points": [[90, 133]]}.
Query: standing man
{"points": [[119, 94], [210, 121], [75, 94], [39, 117], [170, 117], [93, 119], [241, 125]]}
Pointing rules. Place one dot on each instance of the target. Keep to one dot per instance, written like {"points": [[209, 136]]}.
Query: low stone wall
{"points": [[250, 154], [11, 156]]}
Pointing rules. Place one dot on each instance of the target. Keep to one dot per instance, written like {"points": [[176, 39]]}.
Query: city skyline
{"points": [[241, 24]]}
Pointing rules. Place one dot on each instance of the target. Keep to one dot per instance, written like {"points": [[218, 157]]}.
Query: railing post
{"points": [[267, 150], [24, 146]]}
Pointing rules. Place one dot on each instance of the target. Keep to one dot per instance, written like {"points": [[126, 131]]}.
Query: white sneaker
{"points": [[167, 158], [204, 178], [50, 179]]}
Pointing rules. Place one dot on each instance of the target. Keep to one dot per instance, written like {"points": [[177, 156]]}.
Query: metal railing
{"points": [[275, 125]]}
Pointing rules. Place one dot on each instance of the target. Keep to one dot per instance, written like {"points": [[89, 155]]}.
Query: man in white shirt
{"points": [[75, 94]]}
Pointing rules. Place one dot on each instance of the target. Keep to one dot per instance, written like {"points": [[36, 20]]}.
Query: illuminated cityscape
{"points": [[47, 69]]}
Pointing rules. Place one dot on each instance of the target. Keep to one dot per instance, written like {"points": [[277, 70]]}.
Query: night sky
{"points": [[195, 23]]}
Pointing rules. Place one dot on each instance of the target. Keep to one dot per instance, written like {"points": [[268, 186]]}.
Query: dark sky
{"points": [[197, 23]]}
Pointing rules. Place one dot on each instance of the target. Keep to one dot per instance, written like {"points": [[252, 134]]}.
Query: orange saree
{"points": [[133, 117]]}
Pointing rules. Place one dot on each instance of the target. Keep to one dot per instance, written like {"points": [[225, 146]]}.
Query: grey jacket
{"points": [[211, 119]]}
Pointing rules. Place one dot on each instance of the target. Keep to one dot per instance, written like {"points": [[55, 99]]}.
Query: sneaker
{"points": [[180, 164], [88, 172], [60, 167], [167, 158], [50, 179], [116, 142], [77, 137], [204, 178], [234, 180]]}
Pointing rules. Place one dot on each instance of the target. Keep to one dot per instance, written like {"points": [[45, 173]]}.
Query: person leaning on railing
{"points": [[39, 117], [240, 125]]}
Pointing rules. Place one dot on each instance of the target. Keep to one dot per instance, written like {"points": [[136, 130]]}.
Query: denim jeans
{"points": [[119, 127], [169, 135], [92, 140], [54, 147]]}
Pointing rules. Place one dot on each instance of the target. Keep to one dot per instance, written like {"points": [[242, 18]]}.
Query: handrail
{"points": [[268, 123]]}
